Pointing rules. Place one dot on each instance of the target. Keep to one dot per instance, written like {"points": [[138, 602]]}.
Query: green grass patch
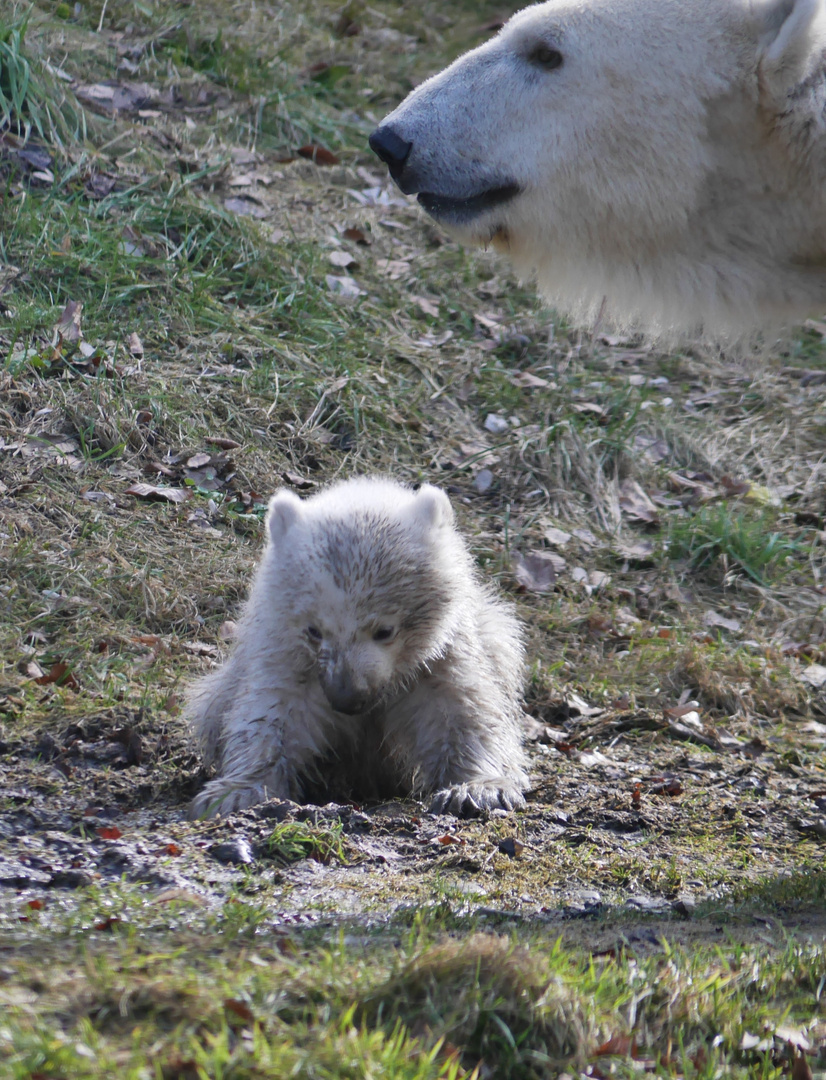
{"points": [[316, 1004], [295, 840], [31, 97], [725, 538]]}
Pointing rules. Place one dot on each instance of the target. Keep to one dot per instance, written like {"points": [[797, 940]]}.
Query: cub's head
{"points": [[367, 579]]}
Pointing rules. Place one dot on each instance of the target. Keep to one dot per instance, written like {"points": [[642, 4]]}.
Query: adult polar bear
{"points": [[654, 163]]}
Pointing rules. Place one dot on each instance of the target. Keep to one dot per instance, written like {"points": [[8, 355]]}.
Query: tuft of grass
{"points": [[31, 97], [733, 539], [294, 840], [489, 996]]}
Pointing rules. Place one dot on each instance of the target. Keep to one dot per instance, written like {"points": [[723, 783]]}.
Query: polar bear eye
{"points": [[384, 633], [314, 634], [545, 56]]}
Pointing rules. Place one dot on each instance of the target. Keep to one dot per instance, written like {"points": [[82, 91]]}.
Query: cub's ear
{"points": [[791, 45], [284, 511], [431, 508]]}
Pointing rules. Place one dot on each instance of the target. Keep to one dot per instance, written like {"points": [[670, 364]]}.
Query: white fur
{"points": [[672, 169], [437, 704]]}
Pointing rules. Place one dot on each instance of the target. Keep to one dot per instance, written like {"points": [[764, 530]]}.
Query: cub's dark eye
{"points": [[545, 56], [384, 633], [314, 634]]}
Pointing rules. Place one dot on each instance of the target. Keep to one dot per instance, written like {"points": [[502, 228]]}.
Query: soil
{"points": [[627, 818]]}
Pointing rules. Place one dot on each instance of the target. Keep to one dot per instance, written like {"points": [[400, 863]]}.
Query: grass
{"points": [[312, 1003], [31, 99], [216, 361], [297, 840], [744, 541]]}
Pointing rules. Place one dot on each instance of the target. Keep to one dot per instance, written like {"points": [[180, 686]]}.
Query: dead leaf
{"points": [[248, 207], [394, 268], [667, 786], [713, 618], [555, 536], [61, 675], [108, 832], [592, 758], [528, 381], [343, 286], [734, 487], [641, 551], [342, 259], [111, 97], [68, 325], [599, 624], [636, 503], [429, 307], [238, 1011], [134, 345], [356, 236], [200, 648], [588, 407], [109, 923], [586, 536], [150, 491], [318, 154], [617, 1046], [223, 443], [537, 571], [814, 675]]}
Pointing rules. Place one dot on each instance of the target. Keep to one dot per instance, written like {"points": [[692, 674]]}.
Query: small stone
{"points": [[234, 852], [496, 424]]}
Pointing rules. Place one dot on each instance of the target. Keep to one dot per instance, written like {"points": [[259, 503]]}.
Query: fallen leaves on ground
{"points": [[537, 571], [155, 493]]}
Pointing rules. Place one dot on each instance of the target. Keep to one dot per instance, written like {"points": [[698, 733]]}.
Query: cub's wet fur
{"points": [[369, 638]]}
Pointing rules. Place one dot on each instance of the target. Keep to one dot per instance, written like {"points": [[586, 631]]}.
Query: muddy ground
{"points": [[619, 804]]}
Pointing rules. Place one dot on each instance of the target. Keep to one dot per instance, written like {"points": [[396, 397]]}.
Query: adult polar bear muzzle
{"points": [[431, 145], [457, 206], [655, 164]]}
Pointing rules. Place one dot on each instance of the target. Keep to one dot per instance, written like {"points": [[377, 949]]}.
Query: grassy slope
{"points": [[242, 339]]}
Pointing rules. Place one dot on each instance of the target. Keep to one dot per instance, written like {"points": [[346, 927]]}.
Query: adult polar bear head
{"points": [[653, 163]]}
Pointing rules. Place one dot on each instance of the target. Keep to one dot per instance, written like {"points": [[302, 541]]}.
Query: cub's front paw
{"points": [[470, 800], [224, 797]]}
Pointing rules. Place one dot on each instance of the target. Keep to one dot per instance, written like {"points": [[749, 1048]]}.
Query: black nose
{"points": [[391, 148]]}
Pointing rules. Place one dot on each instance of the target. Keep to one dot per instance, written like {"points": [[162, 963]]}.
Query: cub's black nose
{"points": [[391, 148]]}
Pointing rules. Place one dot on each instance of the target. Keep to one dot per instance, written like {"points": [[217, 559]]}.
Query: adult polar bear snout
{"points": [[425, 143], [457, 207], [657, 163]]}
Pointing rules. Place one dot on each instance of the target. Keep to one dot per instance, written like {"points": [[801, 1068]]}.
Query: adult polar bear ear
{"points": [[791, 45], [284, 511]]}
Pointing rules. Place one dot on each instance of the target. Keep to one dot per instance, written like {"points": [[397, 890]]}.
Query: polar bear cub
{"points": [[369, 640]]}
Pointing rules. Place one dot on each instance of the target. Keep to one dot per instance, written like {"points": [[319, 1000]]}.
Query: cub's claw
{"points": [[471, 800]]}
